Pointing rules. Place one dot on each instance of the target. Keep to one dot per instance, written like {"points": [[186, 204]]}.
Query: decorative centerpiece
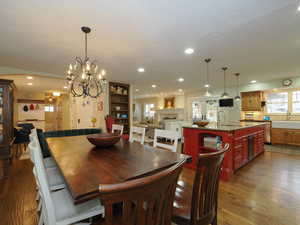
{"points": [[201, 123], [103, 139]]}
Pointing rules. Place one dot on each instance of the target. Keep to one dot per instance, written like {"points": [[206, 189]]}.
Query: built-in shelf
{"points": [[121, 101]]}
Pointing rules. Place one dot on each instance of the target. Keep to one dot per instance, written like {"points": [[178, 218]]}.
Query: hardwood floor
{"points": [[265, 192]]}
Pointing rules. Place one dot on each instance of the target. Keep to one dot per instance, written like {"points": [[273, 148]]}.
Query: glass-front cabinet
{"points": [[6, 124]]}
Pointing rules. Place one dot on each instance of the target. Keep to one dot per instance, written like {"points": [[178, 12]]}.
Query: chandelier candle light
{"points": [[83, 76], [225, 94]]}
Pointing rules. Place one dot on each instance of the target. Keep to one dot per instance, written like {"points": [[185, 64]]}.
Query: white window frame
{"points": [[151, 113], [292, 102], [287, 102], [49, 108]]}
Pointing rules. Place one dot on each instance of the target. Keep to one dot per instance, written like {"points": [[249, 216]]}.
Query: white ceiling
{"points": [[258, 38], [39, 83]]}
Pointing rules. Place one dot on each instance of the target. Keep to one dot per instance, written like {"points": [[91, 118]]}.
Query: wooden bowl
{"points": [[201, 123], [103, 139]]}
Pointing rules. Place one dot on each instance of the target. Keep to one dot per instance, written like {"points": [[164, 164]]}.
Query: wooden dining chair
{"points": [[146, 201], [199, 205], [117, 128], [171, 135], [137, 134]]}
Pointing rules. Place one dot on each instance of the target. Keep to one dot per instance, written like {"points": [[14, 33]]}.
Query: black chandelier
{"points": [[83, 76]]}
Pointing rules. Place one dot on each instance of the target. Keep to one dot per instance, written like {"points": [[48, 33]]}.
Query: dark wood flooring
{"points": [[265, 192]]}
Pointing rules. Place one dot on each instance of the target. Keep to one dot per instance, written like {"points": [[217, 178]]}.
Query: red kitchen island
{"points": [[246, 141]]}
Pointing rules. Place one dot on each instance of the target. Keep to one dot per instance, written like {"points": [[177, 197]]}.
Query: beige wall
{"points": [[157, 101], [24, 95]]}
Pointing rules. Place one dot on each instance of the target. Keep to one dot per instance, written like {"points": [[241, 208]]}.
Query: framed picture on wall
{"points": [[169, 102]]}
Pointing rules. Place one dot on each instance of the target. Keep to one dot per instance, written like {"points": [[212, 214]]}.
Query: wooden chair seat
{"points": [[183, 201]]}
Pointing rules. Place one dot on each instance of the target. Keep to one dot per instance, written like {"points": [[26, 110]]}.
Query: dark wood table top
{"points": [[84, 167]]}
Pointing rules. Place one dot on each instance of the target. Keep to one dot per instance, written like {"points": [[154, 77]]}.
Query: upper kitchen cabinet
{"points": [[252, 101]]}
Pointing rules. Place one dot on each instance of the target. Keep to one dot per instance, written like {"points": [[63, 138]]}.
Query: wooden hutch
{"points": [[6, 125], [119, 104]]}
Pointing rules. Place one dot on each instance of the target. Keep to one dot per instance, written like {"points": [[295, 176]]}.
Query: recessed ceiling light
{"points": [[65, 87], [29, 84], [29, 77], [189, 51], [141, 70], [137, 90], [207, 85], [153, 85], [56, 94], [253, 81], [180, 79], [180, 90], [299, 8]]}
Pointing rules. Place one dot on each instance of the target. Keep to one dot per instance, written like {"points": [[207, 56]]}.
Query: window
{"points": [[196, 110], [149, 111], [49, 108], [277, 102], [296, 102]]}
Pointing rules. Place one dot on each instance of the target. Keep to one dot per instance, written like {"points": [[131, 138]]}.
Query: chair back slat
{"points": [[206, 185], [169, 135], [116, 128], [146, 201], [137, 134]]}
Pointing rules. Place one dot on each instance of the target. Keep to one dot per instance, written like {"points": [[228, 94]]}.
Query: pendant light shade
{"points": [[225, 94], [207, 84], [237, 97]]}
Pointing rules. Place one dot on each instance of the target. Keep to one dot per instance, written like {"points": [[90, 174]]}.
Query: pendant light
{"points": [[207, 85], [237, 97], [225, 94]]}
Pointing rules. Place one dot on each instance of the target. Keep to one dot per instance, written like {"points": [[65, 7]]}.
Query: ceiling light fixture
{"points": [[253, 81], [207, 85], [225, 94], [57, 94], [30, 84], [189, 51], [83, 76], [237, 97], [136, 90], [180, 79], [180, 90], [298, 8], [29, 77], [141, 70], [153, 85], [65, 87]]}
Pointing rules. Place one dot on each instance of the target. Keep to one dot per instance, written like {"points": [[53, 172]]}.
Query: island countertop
{"points": [[228, 127]]}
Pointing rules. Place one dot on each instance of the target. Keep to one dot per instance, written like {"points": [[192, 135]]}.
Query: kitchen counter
{"points": [[246, 141], [227, 127]]}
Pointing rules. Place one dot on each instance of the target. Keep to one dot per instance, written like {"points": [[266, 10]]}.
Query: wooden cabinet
{"points": [[6, 124], [251, 101], [119, 105], [286, 136]]}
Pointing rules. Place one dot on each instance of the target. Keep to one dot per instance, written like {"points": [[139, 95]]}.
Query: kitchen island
{"points": [[246, 141]]}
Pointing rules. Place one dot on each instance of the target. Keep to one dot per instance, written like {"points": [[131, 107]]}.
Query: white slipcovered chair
{"points": [[118, 128], [171, 135], [58, 207], [137, 134]]}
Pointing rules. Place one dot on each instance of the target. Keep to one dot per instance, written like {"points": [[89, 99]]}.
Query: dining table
{"points": [[84, 167]]}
